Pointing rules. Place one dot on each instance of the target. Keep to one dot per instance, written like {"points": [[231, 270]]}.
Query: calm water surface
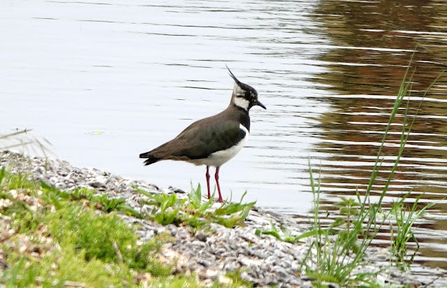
{"points": [[104, 81]]}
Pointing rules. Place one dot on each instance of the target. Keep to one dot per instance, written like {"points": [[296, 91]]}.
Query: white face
{"points": [[239, 100]]}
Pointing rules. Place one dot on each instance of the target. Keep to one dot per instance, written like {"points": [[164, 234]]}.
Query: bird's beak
{"points": [[260, 104]]}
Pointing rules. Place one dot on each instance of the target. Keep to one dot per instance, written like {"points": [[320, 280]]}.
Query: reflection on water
{"points": [[107, 80], [373, 43]]}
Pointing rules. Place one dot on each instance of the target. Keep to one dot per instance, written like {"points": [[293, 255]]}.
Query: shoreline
{"points": [[264, 259]]}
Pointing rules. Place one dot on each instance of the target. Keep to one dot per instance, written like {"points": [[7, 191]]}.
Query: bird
{"points": [[214, 140]]}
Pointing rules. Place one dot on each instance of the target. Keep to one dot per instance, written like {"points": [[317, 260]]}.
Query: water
{"points": [[105, 81]]}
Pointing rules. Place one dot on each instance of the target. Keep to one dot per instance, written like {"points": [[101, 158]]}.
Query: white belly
{"points": [[218, 158]]}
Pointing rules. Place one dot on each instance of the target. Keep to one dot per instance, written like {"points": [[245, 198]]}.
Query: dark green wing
{"points": [[199, 141]]}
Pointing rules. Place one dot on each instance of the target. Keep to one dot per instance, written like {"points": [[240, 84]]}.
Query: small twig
{"points": [[118, 252]]}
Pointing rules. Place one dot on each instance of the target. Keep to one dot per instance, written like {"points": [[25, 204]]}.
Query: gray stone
{"points": [[281, 273], [204, 262], [201, 236]]}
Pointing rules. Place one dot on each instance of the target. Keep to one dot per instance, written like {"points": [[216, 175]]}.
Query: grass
{"points": [[338, 250], [401, 230], [55, 238], [101, 202], [168, 209], [24, 140]]}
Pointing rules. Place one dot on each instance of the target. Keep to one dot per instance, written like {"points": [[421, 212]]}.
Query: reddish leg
{"points": [[207, 175], [216, 176]]}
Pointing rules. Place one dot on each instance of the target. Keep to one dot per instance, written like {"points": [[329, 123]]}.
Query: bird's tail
{"points": [[150, 158]]}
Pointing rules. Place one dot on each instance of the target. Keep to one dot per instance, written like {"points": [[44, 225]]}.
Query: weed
{"points": [[169, 209], [282, 234], [338, 250], [22, 139], [401, 231], [101, 202], [9, 181]]}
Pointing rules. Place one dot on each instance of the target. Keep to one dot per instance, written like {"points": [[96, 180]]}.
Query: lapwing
{"points": [[214, 140]]}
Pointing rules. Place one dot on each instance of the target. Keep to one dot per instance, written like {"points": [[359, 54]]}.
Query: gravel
{"points": [[265, 260]]}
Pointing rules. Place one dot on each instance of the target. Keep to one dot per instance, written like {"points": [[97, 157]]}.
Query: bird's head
{"points": [[244, 96]]}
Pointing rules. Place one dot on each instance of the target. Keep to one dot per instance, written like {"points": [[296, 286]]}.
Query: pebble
{"points": [[262, 260], [200, 235]]}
